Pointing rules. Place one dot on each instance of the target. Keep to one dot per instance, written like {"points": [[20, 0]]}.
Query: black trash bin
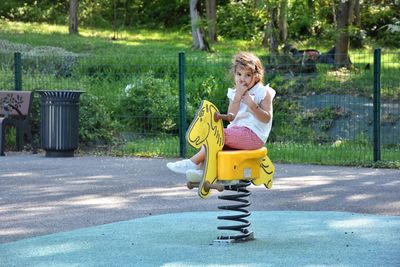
{"points": [[59, 127]]}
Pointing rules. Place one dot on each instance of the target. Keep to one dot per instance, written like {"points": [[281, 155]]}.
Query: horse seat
{"points": [[239, 164]]}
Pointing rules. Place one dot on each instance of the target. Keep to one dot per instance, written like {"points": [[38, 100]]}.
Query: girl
{"points": [[251, 103]]}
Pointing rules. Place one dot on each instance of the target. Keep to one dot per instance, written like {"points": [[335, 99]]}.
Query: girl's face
{"points": [[244, 77]]}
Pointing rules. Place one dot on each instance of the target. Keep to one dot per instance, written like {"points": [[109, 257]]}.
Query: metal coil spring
{"points": [[241, 196]]}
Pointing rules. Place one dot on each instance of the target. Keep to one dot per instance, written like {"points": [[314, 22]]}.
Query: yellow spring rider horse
{"points": [[222, 167]]}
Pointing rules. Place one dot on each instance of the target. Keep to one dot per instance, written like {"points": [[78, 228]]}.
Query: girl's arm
{"points": [[263, 111], [235, 103]]}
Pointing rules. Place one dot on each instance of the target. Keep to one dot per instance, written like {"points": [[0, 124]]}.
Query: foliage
{"points": [[350, 154], [300, 20], [100, 13], [96, 124], [235, 19], [376, 20], [148, 104], [35, 11], [164, 145], [240, 20]]}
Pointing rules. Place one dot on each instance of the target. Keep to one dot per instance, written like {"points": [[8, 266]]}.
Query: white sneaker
{"points": [[182, 166], [195, 176]]}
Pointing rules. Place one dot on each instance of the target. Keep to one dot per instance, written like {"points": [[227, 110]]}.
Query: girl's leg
{"points": [[182, 166], [199, 156], [242, 138], [236, 138]]}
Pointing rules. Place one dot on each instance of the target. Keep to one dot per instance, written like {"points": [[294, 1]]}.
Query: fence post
{"points": [[377, 104], [17, 71], [182, 109]]}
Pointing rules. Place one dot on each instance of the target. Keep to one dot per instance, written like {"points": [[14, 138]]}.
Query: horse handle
{"points": [[226, 117]]}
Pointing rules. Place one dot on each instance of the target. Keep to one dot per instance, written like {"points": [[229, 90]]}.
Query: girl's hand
{"points": [[248, 99], [241, 89]]}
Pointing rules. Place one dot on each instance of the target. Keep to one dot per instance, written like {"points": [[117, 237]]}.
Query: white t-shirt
{"points": [[245, 116]]}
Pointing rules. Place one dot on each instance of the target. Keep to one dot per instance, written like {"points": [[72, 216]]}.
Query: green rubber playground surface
{"points": [[282, 238]]}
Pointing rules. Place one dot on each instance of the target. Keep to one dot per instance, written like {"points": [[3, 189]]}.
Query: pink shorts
{"points": [[237, 137]]}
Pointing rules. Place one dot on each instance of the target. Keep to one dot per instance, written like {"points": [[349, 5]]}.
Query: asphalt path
{"points": [[41, 195]]}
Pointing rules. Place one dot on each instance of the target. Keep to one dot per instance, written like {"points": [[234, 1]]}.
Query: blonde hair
{"points": [[250, 62]]}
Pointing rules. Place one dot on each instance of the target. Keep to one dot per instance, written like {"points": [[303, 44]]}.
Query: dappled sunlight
{"points": [[38, 210], [352, 223], [340, 75], [91, 179], [17, 174], [368, 183], [17, 212], [295, 183], [392, 183], [53, 249], [97, 201], [178, 191], [60, 175], [130, 43], [15, 231], [25, 27], [317, 198], [359, 197], [135, 37]]}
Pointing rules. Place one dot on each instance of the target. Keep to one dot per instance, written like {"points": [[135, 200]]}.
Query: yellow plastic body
{"points": [[205, 131], [240, 164]]}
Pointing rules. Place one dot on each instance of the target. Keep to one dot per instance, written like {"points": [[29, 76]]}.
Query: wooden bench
{"points": [[15, 110]]}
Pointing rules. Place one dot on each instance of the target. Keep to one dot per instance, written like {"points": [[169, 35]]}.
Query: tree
{"points": [[73, 16], [345, 17], [276, 27], [199, 41], [282, 21], [211, 11]]}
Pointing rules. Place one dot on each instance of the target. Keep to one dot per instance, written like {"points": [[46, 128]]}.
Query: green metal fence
{"points": [[322, 114]]}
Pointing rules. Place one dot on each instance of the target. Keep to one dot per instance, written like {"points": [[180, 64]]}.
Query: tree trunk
{"points": [[114, 23], [199, 41], [344, 20], [357, 13], [73, 16], [211, 10], [271, 35], [276, 27], [334, 14], [282, 22], [357, 39]]}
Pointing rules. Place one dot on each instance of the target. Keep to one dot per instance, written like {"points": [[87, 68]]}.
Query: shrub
{"points": [[149, 104], [96, 126], [240, 20]]}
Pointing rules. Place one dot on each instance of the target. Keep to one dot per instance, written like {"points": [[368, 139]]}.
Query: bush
{"points": [[240, 20], [376, 21], [49, 60], [96, 126], [149, 105], [35, 11]]}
